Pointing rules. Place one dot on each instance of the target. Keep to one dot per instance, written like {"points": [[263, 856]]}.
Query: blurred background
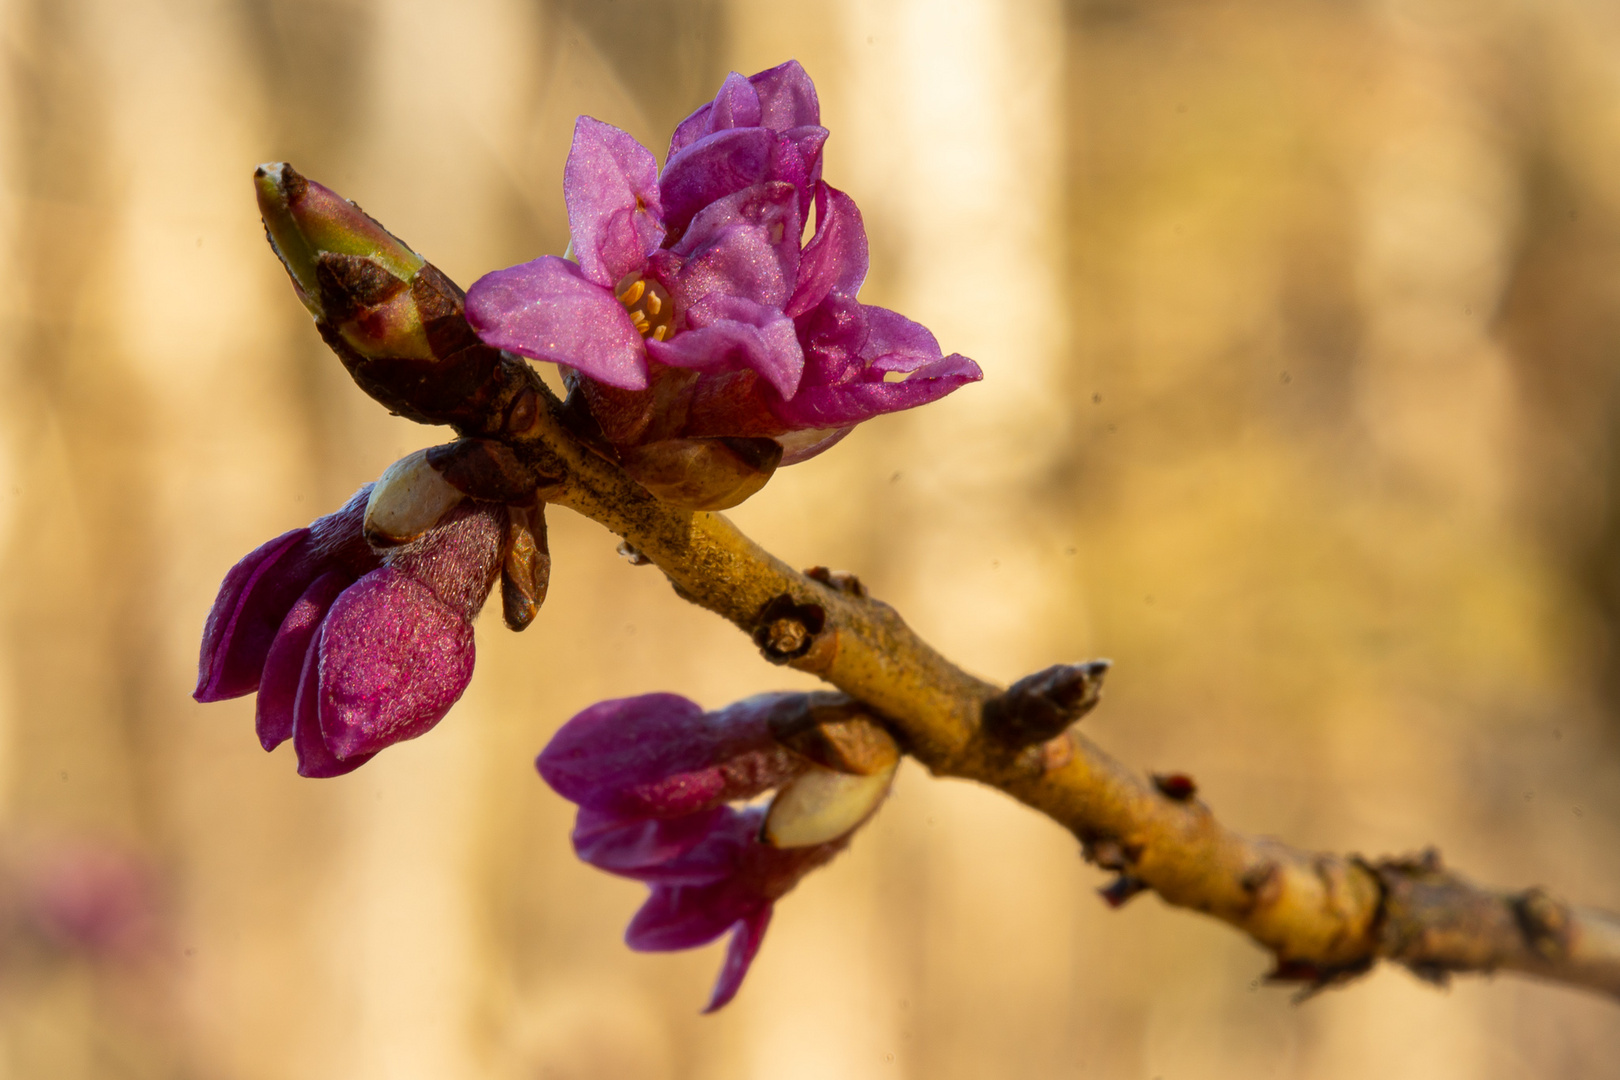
{"points": [[1301, 331]]}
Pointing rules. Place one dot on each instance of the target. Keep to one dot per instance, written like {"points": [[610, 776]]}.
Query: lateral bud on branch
{"points": [[526, 571], [1042, 706]]}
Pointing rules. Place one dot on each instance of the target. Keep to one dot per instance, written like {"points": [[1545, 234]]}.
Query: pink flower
{"points": [[351, 650], [654, 777], [695, 308]]}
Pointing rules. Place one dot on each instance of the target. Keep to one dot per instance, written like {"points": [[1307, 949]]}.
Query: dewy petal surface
{"points": [[284, 667], [548, 310], [740, 952], [610, 185], [394, 658], [252, 601]]}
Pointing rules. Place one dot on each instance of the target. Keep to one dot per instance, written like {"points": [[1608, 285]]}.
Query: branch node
{"points": [[1109, 853], [785, 630], [1040, 706], [838, 581], [1119, 892], [1544, 922], [1177, 787], [634, 557], [1316, 977]]}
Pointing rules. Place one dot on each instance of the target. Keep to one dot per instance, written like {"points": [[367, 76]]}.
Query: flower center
{"points": [[648, 305]]}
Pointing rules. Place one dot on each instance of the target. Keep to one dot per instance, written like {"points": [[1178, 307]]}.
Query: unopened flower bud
{"points": [[396, 322], [1042, 706], [821, 805], [305, 221], [702, 474], [409, 498]]}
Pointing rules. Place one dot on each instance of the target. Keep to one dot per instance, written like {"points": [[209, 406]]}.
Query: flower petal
{"points": [[639, 847], [252, 601], [459, 558], [835, 259], [660, 755], [610, 184], [852, 403], [895, 343], [740, 953], [394, 658], [315, 759], [787, 97], [712, 168], [732, 334], [548, 310], [685, 916], [746, 245], [284, 666], [843, 386]]}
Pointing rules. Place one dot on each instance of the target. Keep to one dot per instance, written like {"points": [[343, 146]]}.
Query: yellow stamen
{"points": [[633, 293], [640, 319], [653, 303], [661, 333]]}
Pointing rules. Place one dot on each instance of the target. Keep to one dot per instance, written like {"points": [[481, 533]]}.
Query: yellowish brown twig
{"points": [[1325, 917]]}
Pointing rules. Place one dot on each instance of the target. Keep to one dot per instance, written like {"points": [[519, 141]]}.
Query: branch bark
{"points": [[1326, 917]]}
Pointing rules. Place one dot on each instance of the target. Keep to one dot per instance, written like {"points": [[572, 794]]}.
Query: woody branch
{"points": [[1326, 917], [402, 330]]}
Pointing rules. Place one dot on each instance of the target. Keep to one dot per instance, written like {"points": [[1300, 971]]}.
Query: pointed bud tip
{"points": [[305, 220]]}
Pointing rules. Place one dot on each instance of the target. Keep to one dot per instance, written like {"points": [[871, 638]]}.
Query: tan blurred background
{"points": [[1301, 329]]}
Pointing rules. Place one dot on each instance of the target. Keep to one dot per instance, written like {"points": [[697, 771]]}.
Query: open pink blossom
{"points": [[655, 778], [351, 650], [694, 307]]}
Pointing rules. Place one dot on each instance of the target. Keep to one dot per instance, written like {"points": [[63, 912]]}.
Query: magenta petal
{"points": [[735, 106], [621, 743], [252, 601], [394, 659], [315, 760], [851, 403], [685, 916], [284, 667], [660, 755], [646, 848], [548, 310], [735, 334], [895, 343], [740, 953], [610, 184], [797, 160], [787, 97], [835, 259], [712, 168], [746, 244]]}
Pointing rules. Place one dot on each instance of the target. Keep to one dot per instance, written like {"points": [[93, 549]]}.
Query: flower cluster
{"points": [[350, 648], [655, 778], [708, 339]]}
